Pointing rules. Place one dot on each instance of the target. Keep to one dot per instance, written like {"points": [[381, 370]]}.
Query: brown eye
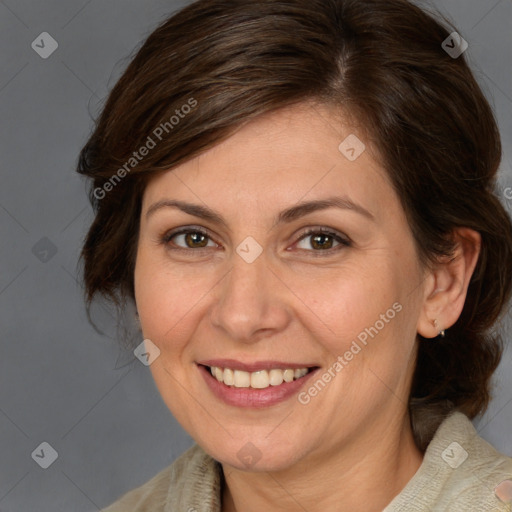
{"points": [[322, 240], [189, 238]]}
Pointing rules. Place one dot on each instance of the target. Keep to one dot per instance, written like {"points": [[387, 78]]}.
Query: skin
{"points": [[351, 446]]}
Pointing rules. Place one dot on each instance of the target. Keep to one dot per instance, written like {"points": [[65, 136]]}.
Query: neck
{"points": [[366, 474]]}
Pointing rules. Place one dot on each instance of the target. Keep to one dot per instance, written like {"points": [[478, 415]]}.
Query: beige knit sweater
{"points": [[459, 473]]}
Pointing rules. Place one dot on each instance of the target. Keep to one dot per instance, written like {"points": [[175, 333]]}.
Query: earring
{"points": [[441, 331]]}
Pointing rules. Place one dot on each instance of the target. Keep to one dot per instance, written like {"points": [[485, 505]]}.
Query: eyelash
{"points": [[344, 242]]}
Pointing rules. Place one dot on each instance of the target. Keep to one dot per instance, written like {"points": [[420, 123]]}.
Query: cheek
{"points": [[344, 302], [165, 296], [367, 313]]}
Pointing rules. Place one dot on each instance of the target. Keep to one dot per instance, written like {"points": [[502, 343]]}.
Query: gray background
{"points": [[61, 381]]}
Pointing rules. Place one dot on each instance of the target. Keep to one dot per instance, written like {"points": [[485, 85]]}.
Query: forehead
{"points": [[299, 153]]}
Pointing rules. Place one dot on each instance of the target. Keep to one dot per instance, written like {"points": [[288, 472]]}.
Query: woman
{"points": [[298, 195]]}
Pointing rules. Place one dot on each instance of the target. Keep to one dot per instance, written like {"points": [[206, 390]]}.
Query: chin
{"points": [[256, 456]]}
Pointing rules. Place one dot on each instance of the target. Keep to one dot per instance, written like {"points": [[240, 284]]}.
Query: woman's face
{"points": [[257, 295]]}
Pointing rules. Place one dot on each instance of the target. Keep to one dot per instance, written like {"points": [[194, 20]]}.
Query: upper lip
{"points": [[255, 366]]}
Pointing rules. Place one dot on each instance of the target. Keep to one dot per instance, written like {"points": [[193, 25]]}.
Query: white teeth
{"points": [[288, 375], [275, 377], [229, 376], [219, 374], [242, 379], [260, 379]]}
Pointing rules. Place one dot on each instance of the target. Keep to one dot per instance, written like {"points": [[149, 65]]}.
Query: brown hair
{"points": [[381, 61]]}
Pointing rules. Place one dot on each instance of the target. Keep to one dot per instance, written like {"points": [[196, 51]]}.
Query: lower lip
{"points": [[251, 397]]}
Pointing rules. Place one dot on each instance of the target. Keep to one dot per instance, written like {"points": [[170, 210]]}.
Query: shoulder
{"points": [[477, 471], [192, 473], [460, 471]]}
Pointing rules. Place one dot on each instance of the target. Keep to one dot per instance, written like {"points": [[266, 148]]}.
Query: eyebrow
{"points": [[286, 216]]}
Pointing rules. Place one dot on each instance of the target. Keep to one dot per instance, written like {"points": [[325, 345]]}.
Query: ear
{"points": [[447, 283]]}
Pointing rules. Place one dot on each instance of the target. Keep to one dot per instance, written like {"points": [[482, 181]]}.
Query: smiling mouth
{"points": [[257, 380]]}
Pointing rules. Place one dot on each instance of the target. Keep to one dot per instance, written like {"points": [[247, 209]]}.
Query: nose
{"points": [[250, 302]]}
